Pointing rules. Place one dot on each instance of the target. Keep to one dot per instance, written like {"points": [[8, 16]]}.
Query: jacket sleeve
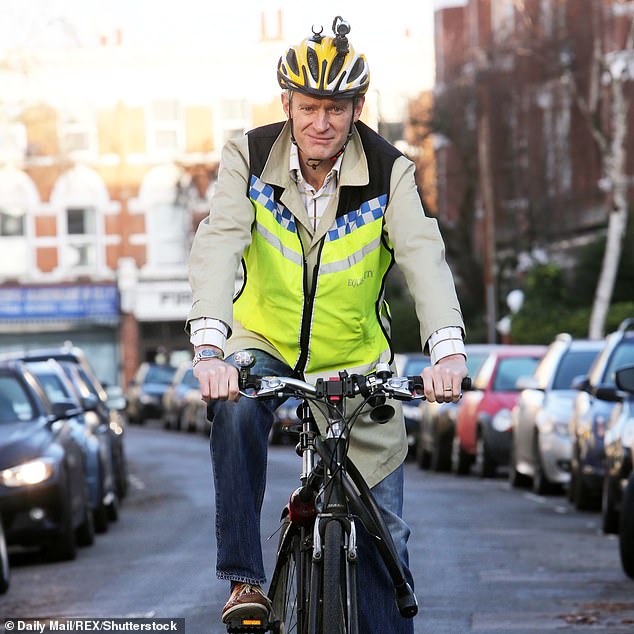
{"points": [[221, 238], [419, 252]]}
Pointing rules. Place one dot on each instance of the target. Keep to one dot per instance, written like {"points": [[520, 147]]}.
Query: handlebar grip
{"points": [[416, 383]]}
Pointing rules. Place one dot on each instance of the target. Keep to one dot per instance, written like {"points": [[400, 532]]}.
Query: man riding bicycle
{"points": [[307, 218]]}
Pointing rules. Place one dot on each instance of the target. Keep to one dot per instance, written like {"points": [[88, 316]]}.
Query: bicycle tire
{"points": [[288, 592], [334, 581]]}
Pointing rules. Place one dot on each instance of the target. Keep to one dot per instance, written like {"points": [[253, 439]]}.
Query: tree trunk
{"points": [[615, 162]]}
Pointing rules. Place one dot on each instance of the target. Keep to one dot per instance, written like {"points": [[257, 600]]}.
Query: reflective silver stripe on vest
{"points": [[277, 244], [351, 260]]}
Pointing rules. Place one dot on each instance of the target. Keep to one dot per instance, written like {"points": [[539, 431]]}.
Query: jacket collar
{"points": [[354, 172]]}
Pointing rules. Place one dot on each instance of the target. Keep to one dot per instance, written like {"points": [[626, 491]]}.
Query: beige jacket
{"points": [[215, 266]]}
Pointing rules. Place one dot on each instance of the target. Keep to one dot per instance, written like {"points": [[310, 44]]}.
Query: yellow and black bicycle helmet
{"points": [[325, 66]]}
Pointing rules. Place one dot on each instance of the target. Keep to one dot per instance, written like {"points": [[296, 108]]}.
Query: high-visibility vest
{"points": [[338, 322]]}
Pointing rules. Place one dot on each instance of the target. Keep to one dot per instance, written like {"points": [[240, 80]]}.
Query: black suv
{"points": [[591, 411]]}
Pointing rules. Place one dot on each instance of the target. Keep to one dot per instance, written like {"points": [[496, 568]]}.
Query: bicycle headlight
{"points": [[28, 473]]}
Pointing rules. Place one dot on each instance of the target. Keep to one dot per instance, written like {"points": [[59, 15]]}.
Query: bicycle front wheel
{"points": [[338, 584], [288, 592]]}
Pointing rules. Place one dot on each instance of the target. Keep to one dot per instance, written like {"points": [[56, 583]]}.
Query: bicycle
{"points": [[313, 588]]}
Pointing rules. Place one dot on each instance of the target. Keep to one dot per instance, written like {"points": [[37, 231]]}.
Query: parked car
{"points": [[146, 390], [195, 413], [79, 371], [592, 408], [43, 493], [483, 421], [175, 396], [93, 436], [618, 445], [541, 448], [412, 364], [5, 569], [618, 483], [437, 423], [285, 420]]}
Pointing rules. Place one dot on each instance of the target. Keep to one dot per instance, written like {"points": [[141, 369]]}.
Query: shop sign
{"points": [[93, 302]]}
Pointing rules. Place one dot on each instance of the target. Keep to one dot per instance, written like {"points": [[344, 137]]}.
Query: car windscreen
{"points": [[415, 365], [53, 387], [623, 355], [510, 369], [475, 361], [159, 374], [15, 405], [573, 364]]}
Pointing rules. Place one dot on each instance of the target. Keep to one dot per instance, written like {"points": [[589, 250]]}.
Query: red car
{"points": [[483, 421]]}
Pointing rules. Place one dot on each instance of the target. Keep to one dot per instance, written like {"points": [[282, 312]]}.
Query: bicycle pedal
{"points": [[248, 625]]}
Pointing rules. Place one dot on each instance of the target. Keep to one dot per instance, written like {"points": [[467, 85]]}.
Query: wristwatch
{"points": [[207, 353]]}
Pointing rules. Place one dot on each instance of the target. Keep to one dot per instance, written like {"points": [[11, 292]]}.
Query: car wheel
{"points": [[517, 480], [486, 467], [584, 497], [112, 510], [5, 571], [63, 547], [441, 453], [460, 460], [541, 484], [609, 514], [626, 529], [423, 458], [85, 533], [121, 478], [100, 512]]}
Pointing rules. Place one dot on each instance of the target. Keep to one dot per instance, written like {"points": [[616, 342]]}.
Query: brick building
{"points": [[510, 66], [108, 156]]}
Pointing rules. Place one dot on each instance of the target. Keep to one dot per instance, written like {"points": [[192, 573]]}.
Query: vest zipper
{"points": [[307, 313]]}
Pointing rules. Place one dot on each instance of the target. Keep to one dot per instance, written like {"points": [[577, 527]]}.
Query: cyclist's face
{"points": [[320, 125]]}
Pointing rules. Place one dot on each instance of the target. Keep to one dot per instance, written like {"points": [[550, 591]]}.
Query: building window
{"points": [[12, 223], [81, 227], [166, 127], [234, 118], [168, 235], [13, 242], [78, 134]]}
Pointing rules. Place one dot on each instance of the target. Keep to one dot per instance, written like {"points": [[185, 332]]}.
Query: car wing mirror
{"points": [[606, 392], [580, 383], [625, 379], [64, 409]]}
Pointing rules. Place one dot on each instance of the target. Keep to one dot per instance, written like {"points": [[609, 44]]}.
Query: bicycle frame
{"points": [[327, 471]]}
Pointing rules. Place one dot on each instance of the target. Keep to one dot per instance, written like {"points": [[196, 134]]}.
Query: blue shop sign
{"points": [[99, 302]]}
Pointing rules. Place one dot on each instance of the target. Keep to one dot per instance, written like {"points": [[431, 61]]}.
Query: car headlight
{"points": [[28, 473], [548, 424], [502, 421]]}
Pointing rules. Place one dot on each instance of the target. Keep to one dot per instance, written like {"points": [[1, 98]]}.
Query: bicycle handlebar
{"points": [[403, 388]]}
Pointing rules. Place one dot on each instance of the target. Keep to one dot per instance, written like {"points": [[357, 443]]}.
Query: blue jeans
{"points": [[239, 442]]}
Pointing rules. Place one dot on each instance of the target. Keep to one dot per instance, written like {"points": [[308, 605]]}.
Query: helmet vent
{"points": [[336, 66], [356, 70], [313, 63], [291, 59]]}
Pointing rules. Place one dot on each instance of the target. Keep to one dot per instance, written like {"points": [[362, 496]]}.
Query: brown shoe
{"points": [[246, 600]]}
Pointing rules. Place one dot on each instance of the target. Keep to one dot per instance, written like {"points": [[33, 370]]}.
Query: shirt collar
{"points": [[296, 171]]}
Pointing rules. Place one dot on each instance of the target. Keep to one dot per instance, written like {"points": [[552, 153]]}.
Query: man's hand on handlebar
{"points": [[218, 380], [442, 382]]}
